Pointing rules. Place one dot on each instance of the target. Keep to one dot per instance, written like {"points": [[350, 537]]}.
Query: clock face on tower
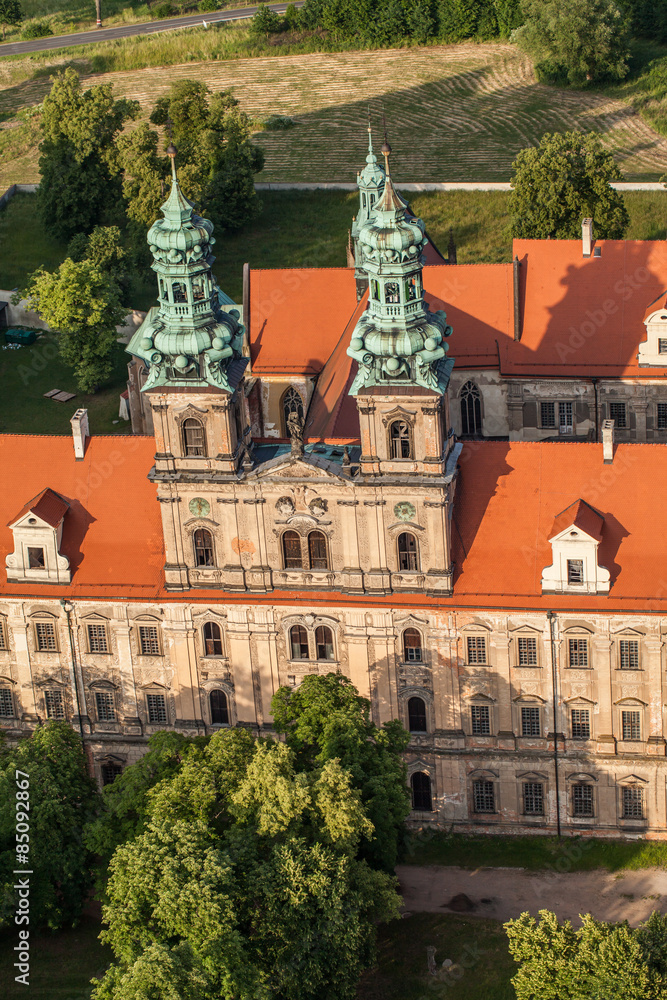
{"points": [[200, 507], [404, 511]]}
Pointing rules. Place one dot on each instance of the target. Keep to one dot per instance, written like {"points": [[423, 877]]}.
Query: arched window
{"points": [[203, 540], [298, 639], [420, 784], [178, 291], [292, 550], [375, 289], [412, 289], [291, 403], [392, 293], [212, 639], [363, 200], [317, 550], [400, 439], [219, 708], [408, 553], [471, 409], [324, 643], [412, 646], [417, 715], [194, 440]]}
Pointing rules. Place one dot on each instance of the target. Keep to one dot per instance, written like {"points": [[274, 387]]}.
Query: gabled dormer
{"points": [[37, 531], [574, 538], [653, 350]]}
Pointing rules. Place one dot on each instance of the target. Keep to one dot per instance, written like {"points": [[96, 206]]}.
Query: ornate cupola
{"points": [[399, 345], [371, 184], [188, 340]]}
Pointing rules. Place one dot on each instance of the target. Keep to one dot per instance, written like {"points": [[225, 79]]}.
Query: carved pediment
{"points": [[298, 469]]}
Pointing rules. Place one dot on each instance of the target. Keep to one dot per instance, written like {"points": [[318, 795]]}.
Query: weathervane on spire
{"points": [[171, 149]]}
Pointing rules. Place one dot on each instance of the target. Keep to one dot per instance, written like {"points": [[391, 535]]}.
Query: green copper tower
{"points": [[187, 339], [397, 340]]}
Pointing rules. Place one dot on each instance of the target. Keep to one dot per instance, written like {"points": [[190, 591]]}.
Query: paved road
{"points": [[125, 30]]}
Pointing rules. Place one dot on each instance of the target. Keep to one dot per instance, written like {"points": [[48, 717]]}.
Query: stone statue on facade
{"points": [[295, 431]]}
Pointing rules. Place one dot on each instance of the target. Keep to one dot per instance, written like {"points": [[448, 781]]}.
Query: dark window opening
{"points": [[471, 409], [480, 717], [219, 708], [317, 550], [35, 558], [484, 800], [292, 403], [292, 550], [110, 771], [194, 442], [417, 715], [408, 554], [412, 646], [324, 642], [400, 440], [212, 639], [298, 642], [420, 785], [203, 547]]}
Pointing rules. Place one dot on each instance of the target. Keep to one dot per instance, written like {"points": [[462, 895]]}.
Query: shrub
{"points": [[265, 22], [208, 5], [275, 122], [161, 10], [36, 29]]}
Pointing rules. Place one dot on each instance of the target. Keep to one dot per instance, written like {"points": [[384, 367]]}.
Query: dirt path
{"points": [[502, 893]]}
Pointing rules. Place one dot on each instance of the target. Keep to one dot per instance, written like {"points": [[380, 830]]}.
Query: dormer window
{"points": [[37, 531], [575, 538], [653, 349]]}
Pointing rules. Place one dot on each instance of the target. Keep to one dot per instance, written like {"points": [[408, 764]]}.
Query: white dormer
{"points": [[653, 350], [575, 537], [37, 532]]}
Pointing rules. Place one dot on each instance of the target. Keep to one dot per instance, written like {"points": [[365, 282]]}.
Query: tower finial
{"points": [[171, 150]]}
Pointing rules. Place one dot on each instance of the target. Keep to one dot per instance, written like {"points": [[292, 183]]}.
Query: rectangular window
{"points": [[149, 642], [530, 721], [480, 716], [35, 558], [111, 771], [578, 652], [45, 636], [106, 711], [617, 412], [548, 414], [575, 571], [629, 654], [476, 649], [582, 800], [54, 705], [4, 644], [565, 423], [527, 652], [6, 704], [97, 639], [533, 798], [157, 708], [483, 797], [633, 803], [662, 416], [581, 724], [662, 346], [631, 725]]}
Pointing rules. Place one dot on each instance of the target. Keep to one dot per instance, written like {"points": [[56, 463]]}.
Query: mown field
{"points": [[459, 112]]}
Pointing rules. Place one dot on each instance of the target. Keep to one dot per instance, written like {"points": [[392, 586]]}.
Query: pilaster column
{"points": [[653, 686], [500, 658], [265, 665], [180, 645], [640, 407], [19, 629], [603, 694], [131, 720], [240, 657], [356, 639]]}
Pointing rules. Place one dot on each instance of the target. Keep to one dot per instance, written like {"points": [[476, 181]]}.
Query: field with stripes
{"points": [[453, 112]]}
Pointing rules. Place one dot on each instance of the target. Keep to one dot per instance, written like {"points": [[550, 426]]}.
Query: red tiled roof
{"points": [[333, 414], [581, 515], [297, 316], [47, 505]]}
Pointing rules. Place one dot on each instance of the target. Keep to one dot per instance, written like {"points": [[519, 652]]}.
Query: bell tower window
{"points": [[392, 292], [408, 553], [400, 439], [471, 409], [203, 547], [375, 289], [194, 441], [292, 403], [178, 291], [412, 289]]}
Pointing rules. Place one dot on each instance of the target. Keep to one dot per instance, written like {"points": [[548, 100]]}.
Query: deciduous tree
{"points": [[11, 13], [562, 181]]}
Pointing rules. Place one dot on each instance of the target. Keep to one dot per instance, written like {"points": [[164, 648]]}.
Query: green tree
{"points": [[562, 181], [62, 798], [11, 13], [458, 19], [325, 719], [265, 21], [81, 302], [508, 15], [80, 185], [598, 960], [244, 882], [581, 40], [216, 160]]}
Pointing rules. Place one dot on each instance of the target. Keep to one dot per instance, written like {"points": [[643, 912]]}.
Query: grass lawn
{"points": [[535, 853], [478, 948], [61, 965]]}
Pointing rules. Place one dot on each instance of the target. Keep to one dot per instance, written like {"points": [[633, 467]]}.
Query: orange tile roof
{"points": [[333, 414], [297, 316], [47, 505], [581, 515]]}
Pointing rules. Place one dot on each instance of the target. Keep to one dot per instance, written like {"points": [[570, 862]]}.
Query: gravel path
{"points": [[502, 893]]}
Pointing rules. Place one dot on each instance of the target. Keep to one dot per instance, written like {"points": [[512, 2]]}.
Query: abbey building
{"points": [[406, 470]]}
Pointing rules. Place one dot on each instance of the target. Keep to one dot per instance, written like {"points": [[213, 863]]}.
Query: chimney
{"points": [[587, 236], [608, 441], [80, 433]]}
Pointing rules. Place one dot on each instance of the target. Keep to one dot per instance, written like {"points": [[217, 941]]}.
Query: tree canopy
{"points": [[563, 180], [62, 798], [244, 881], [11, 13], [598, 960], [581, 40]]}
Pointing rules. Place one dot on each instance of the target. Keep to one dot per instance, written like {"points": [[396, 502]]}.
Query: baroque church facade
{"points": [[311, 499]]}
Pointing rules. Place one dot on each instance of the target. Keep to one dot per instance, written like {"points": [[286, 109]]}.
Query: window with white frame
{"points": [[575, 571], [582, 799], [581, 723], [628, 654], [149, 640], [97, 638], [156, 705], [45, 637], [530, 720], [483, 796], [53, 701], [6, 703], [631, 724], [527, 650], [578, 652], [565, 418], [480, 720], [662, 345], [106, 710], [632, 802], [476, 647], [533, 798]]}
